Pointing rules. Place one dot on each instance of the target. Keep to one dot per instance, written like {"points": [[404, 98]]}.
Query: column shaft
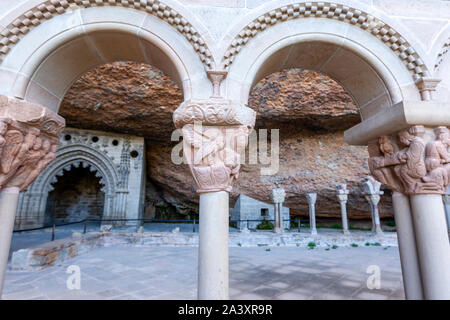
{"points": [[344, 217], [9, 198], [371, 213], [447, 209], [432, 244], [213, 246], [312, 219], [376, 219], [412, 280], [276, 216]]}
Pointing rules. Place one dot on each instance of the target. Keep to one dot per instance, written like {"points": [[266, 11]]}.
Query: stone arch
{"points": [[36, 13], [78, 154], [342, 11], [338, 45], [53, 43], [32, 203]]}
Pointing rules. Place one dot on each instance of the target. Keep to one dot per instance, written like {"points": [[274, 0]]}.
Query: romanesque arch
{"points": [[338, 11], [46, 47], [374, 62], [32, 14]]}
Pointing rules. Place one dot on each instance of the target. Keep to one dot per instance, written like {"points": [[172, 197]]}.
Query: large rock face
{"points": [[310, 109]]}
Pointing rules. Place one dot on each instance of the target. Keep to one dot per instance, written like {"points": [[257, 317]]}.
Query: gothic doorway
{"points": [[77, 195]]}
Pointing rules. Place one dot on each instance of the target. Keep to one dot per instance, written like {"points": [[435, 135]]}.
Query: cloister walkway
{"points": [[255, 273]]}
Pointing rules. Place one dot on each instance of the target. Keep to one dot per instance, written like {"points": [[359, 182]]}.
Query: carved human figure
{"points": [[31, 159], [15, 152], [382, 161], [411, 167], [436, 156], [17, 149], [35, 163], [213, 159]]}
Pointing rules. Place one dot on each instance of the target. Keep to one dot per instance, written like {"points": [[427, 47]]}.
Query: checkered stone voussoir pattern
{"points": [[12, 34], [353, 16]]}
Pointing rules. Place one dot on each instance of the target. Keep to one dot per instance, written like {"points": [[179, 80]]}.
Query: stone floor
{"points": [[255, 273]]}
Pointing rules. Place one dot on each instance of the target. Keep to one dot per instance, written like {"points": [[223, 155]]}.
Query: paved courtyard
{"points": [[255, 273]]}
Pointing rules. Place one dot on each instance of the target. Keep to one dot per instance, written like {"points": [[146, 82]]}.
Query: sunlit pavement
{"points": [[255, 273]]}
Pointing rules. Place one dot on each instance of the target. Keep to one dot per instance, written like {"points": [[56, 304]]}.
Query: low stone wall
{"points": [[52, 253]]}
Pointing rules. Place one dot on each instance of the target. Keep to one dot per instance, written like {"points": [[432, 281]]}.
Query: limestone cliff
{"points": [[310, 109]]}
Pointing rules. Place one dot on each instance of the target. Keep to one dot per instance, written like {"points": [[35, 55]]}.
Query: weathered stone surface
{"points": [[127, 98], [310, 109], [297, 98]]}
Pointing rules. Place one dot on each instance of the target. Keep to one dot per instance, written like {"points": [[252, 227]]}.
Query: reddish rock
{"points": [[310, 109]]}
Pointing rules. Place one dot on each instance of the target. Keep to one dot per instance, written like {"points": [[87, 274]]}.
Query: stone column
{"points": [[28, 141], [311, 198], [9, 197], [412, 279], [446, 198], [342, 195], [432, 244], [213, 246], [277, 196], [215, 132], [416, 163], [372, 194]]}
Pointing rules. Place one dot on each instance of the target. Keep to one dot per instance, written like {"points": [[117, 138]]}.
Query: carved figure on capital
{"points": [[382, 160], [213, 155], [410, 164], [411, 167], [215, 133], [28, 141], [437, 159]]}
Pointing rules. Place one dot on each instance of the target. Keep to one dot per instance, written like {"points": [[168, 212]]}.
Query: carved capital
{"points": [[28, 141], [342, 192], [311, 198], [277, 195], [414, 161], [426, 87], [371, 186], [213, 154], [213, 112]]}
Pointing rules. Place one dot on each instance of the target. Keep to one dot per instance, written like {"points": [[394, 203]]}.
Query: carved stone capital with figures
{"points": [[28, 141], [215, 133], [414, 161]]}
